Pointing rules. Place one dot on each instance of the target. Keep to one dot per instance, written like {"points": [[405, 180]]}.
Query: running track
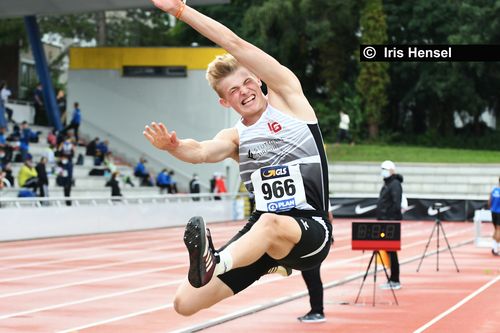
{"points": [[125, 282]]}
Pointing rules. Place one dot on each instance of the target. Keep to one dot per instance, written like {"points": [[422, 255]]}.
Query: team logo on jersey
{"points": [[274, 172], [274, 127]]}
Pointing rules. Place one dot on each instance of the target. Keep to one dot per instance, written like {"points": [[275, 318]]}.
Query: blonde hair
{"points": [[219, 68]]}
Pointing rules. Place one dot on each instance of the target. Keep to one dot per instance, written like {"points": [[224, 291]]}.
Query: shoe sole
{"points": [[313, 321], [195, 241]]}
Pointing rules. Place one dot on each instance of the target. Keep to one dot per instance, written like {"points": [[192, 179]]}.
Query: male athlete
{"points": [[279, 147]]}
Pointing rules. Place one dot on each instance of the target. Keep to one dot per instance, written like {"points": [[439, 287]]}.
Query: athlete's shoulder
{"points": [[295, 105]]}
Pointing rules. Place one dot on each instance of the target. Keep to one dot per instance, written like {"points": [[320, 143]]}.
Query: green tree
{"points": [[373, 77]]}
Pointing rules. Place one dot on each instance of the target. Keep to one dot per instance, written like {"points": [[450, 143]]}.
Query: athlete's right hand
{"points": [[159, 136], [169, 6]]}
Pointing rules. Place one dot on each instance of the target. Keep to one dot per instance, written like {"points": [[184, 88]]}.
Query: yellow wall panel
{"points": [[117, 57]]}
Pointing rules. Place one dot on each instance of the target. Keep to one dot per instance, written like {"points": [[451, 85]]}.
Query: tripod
{"points": [[438, 226], [375, 254]]}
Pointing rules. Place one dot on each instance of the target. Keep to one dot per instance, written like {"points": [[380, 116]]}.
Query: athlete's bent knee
{"points": [[183, 308]]}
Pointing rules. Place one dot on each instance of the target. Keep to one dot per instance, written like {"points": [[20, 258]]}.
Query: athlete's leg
{"points": [[273, 234], [189, 300]]}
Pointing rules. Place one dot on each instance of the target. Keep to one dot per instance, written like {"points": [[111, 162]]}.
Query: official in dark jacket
{"points": [[389, 208]]}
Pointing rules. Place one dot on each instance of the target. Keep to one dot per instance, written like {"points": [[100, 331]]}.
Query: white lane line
{"points": [[97, 249], [87, 268], [78, 283], [33, 253], [100, 255], [90, 299], [458, 305], [169, 237], [110, 320]]}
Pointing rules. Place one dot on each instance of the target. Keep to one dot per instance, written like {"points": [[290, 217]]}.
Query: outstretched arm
{"points": [[223, 145], [279, 79]]}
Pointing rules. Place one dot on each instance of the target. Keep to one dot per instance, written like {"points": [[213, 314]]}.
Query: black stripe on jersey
{"points": [[318, 139]]}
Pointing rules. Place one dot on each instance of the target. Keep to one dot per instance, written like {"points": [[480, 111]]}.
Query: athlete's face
{"points": [[241, 91]]}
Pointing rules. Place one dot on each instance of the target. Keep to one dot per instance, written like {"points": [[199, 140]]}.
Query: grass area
{"points": [[378, 153]]}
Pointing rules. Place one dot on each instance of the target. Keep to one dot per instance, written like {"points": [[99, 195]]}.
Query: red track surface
{"points": [[125, 282]]}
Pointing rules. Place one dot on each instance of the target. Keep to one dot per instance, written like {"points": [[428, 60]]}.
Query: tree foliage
{"points": [[373, 77], [319, 41]]}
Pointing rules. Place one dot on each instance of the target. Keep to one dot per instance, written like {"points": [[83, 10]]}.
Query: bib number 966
{"points": [[278, 189]]}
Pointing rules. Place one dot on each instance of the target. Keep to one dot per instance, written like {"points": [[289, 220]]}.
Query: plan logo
{"points": [[274, 172], [279, 206]]}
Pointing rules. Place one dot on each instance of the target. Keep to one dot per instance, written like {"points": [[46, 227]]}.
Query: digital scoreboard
{"points": [[376, 236]]}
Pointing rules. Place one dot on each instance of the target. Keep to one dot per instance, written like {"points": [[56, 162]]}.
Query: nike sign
{"points": [[408, 208], [361, 210], [335, 207], [433, 212]]}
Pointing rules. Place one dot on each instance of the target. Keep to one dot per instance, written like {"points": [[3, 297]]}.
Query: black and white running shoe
{"points": [[202, 258]]}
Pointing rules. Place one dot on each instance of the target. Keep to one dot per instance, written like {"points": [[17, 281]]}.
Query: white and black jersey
{"points": [[279, 146]]}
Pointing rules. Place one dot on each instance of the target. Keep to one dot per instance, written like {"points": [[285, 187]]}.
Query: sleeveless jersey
{"points": [[284, 156]]}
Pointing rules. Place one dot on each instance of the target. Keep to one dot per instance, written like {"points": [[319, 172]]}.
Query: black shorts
{"points": [[309, 252], [495, 218]]}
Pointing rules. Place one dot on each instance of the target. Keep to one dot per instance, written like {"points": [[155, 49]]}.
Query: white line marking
{"points": [[86, 268], [456, 306], [78, 283], [89, 299], [107, 321]]}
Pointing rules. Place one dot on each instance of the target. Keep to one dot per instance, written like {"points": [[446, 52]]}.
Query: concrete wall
{"points": [[29, 223], [118, 107]]}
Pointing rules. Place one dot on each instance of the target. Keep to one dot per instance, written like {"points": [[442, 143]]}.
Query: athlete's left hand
{"points": [[159, 136]]}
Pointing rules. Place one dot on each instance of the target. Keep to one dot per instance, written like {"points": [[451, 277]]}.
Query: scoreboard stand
{"points": [[376, 236]]}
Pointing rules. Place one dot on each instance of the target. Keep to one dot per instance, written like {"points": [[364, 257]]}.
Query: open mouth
{"points": [[248, 100]]}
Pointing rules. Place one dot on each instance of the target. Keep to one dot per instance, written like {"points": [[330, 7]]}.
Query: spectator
{"points": [[212, 185], [5, 93], [75, 122], [3, 158], [52, 138], [92, 147], [102, 149], [50, 155], [173, 183], [66, 149], [27, 134], [2, 180], [194, 186], [43, 180], [15, 135], [8, 176], [114, 184], [64, 178], [40, 116], [110, 163], [27, 176], [220, 184], [163, 181], [6, 150], [389, 209], [61, 103], [494, 204], [141, 172], [343, 132]]}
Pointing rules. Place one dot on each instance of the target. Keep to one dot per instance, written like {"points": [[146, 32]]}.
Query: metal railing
{"points": [[41, 202]]}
